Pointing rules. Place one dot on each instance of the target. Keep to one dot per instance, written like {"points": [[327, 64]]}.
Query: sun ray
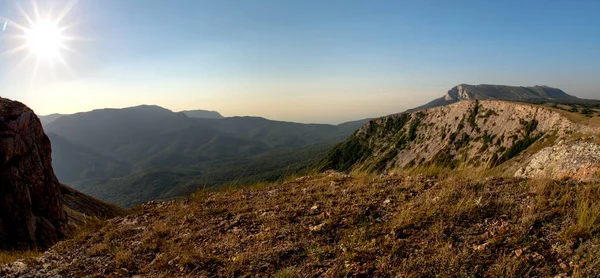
{"points": [[25, 58], [13, 24], [24, 14], [36, 10], [13, 51], [66, 66], [35, 67], [65, 11]]}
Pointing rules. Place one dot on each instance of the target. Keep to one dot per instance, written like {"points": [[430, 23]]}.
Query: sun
{"points": [[45, 40], [40, 34]]}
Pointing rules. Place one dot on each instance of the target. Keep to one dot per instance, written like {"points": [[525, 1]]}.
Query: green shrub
{"points": [[472, 120], [464, 141], [587, 112], [382, 163], [518, 147], [412, 131], [346, 154]]}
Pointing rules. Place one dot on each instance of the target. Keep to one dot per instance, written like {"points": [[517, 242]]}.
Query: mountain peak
{"points": [[202, 114], [503, 92], [534, 94]]}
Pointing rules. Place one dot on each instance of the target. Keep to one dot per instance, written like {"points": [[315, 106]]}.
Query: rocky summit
{"points": [[31, 213]]}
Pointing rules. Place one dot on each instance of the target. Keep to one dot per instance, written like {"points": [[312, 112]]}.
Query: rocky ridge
{"points": [[484, 133]]}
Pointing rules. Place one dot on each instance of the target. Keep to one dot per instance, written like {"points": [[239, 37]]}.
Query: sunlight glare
{"points": [[44, 40]]}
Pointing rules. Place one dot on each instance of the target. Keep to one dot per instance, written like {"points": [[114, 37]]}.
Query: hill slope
{"points": [[49, 118], [336, 225], [468, 133], [73, 162]]}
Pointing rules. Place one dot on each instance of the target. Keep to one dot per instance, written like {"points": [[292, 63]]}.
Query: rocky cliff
{"points": [[485, 133], [31, 212]]}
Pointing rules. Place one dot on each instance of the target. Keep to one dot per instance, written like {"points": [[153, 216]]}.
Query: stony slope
{"points": [[485, 133], [336, 225]]}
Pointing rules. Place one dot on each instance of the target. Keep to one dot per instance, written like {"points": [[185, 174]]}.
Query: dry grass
{"points": [[11, 256], [337, 225], [578, 118]]}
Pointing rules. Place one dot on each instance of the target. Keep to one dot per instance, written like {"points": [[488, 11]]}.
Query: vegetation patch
{"points": [[346, 154], [587, 112], [488, 113], [528, 139], [444, 158], [472, 119], [463, 141], [11, 256], [412, 131], [396, 124], [383, 162]]}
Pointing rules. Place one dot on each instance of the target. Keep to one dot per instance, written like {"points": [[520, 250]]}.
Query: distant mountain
{"points": [[278, 134], [73, 162], [109, 131], [202, 114], [136, 154], [49, 118], [535, 94]]}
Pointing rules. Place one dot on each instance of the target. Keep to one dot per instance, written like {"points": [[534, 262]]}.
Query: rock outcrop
{"points": [[31, 212], [578, 160]]}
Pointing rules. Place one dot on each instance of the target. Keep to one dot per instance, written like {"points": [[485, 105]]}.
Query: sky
{"points": [[298, 60]]}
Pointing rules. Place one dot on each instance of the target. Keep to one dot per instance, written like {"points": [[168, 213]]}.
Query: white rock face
{"points": [[458, 93], [577, 160], [500, 120]]}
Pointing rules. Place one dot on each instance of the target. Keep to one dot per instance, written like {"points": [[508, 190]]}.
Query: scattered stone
{"points": [[578, 160]]}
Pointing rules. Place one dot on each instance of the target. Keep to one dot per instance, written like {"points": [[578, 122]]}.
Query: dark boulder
{"points": [[31, 212]]}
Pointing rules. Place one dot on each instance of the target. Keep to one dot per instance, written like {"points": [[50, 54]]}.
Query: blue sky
{"points": [[307, 61]]}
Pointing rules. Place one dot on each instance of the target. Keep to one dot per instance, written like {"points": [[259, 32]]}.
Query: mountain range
{"points": [[534, 94], [132, 155]]}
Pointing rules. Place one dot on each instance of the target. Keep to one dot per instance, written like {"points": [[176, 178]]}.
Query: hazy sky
{"points": [[300, 60]]}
